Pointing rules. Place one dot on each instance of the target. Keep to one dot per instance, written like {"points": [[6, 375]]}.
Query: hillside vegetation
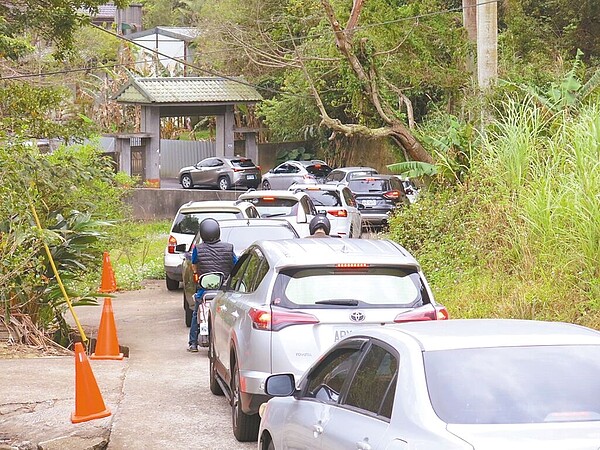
{"points": [[520, 237]]}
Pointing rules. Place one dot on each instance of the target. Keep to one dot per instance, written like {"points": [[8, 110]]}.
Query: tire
{"points": [[245, 427], [271, 446], [186, 181], [172, 285], [224, 183], [215, 388], [266, 185], [188, 311]]}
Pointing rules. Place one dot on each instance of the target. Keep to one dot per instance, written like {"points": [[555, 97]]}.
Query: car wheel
{"points": [[188, 311], [172, 285], [224, 183], [245, 427], [266, 185], [215, 388], [186, 181], [271, 446]]}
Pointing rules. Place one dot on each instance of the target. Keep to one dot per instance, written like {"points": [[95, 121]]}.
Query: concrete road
{"points": [[166, 401], [158, 396]]}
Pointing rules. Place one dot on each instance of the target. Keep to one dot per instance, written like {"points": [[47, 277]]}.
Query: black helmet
{"points": [[210, 230], [319, 221]]}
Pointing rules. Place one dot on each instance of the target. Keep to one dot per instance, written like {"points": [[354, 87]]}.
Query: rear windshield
{"points": [[324, 198], [360, 173], [242, 237], [368, 185], [319, 170], [189, 223], [320, 287], [275, 207], [515, 385], [242, 163]]}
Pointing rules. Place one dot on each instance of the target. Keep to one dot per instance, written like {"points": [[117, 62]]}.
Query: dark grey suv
{"points": [[223, 173], [377, 197]]}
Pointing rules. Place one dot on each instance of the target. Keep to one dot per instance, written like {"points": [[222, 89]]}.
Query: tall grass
{"points": [[521, 237], [548, 167]]}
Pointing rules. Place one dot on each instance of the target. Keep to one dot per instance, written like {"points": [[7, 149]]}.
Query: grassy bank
{"points": [[521, 238]]}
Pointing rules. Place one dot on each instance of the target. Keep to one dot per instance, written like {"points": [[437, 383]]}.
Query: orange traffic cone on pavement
{"points": [[107, 344], [109, 284], [88, 400]]}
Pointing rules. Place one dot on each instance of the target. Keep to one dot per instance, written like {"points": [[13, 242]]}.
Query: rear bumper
{"points": [[380, 217], [173, 264]]}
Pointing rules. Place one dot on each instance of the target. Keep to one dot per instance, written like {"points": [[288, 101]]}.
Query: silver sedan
{"points": [[457, 384]]}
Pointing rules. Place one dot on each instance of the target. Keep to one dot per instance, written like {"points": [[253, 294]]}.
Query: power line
{"points": [[235, 80]]}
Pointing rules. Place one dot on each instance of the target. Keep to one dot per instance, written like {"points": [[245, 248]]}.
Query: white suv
{"points": [[295, 207], [185, 226], [287, 301], [338, 203]]}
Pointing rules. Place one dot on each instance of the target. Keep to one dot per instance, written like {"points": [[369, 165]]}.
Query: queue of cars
{"points": [[340, 343]]}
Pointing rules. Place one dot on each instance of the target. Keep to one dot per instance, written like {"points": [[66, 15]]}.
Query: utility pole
{"points": [[487, 43], [470, 23]]}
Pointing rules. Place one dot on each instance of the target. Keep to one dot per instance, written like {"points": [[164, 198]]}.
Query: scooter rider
{"points": [[211, 255], [319, 226]]}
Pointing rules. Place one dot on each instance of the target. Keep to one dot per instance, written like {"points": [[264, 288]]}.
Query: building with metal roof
{"points": [[185, 96]]}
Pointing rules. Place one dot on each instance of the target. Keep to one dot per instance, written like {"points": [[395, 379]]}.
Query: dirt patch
{"points": [[9, 351]]}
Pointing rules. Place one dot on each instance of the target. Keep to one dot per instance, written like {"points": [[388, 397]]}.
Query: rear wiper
{"points": [[338, 301], [275, 215]]}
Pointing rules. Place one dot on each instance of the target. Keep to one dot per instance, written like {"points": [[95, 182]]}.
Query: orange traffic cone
{"points": [[88, 400], [107, 344], [109, 284]]}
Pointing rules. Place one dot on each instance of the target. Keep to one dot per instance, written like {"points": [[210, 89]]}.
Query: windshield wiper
{"points": [[338, 301]]}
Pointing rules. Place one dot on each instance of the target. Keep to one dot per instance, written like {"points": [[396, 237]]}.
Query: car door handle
{"points": [[363, 445]]}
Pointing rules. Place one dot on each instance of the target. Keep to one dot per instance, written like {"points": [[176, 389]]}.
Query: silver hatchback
{"points": [[287, 301]]}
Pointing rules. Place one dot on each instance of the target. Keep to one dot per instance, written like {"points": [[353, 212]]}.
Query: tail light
{"points": [[237, 169], [276, 320], [258, 167], [338, 212], [196, 278], [421, 314], [392, 195], [171, 244]]}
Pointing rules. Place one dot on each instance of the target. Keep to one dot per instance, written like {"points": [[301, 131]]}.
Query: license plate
{"points": [[203, 329], [369, 202], [251, 177], [340, 333]]}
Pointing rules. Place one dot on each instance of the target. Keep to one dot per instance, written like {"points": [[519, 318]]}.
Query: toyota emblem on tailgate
{"points": [[357, 316]]}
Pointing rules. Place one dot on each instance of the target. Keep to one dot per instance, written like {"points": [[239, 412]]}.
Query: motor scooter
{"points": [[207, 288]]}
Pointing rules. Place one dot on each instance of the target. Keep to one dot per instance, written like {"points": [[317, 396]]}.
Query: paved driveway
{"points": [[159, 395]]}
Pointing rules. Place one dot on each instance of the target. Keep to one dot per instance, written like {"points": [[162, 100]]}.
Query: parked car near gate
{"points": [[452, 385], [223, 173], [378, 196], [295, 207], [295, 172], [287, 301], [338, 204], [238, 232], [185, 226]]}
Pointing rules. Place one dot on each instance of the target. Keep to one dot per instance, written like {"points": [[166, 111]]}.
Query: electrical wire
{"points": [[233, 79]]}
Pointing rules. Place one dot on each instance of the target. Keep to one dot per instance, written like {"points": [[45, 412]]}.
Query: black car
{"points": [[377, 197]]}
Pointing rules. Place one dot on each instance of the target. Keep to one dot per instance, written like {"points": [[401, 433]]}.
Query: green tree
{"points": [[55, 23]]}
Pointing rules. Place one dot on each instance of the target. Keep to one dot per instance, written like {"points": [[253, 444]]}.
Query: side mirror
{"points": [[211, 280], [280, 385], [180, 248], [360, 206]]}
